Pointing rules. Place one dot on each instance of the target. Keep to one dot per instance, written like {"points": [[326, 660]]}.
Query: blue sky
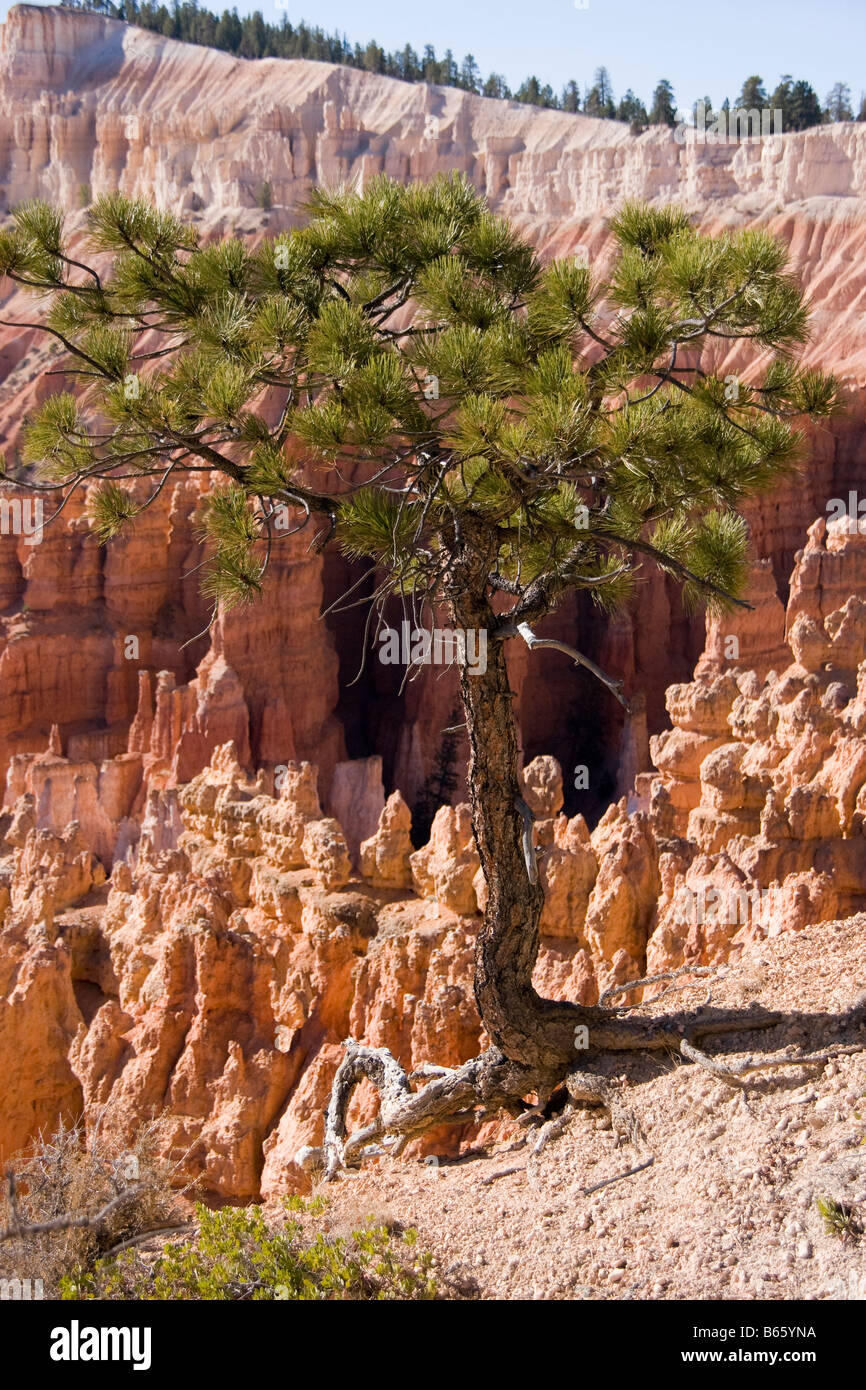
{"points": [[702, 48]]}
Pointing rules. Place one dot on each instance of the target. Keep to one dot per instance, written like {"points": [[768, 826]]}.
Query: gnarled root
{"points": [[587, 1088], [491, 1083], [487, 1084]]}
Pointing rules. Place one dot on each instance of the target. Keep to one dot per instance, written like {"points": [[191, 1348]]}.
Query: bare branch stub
{"points": [[613, 685]]}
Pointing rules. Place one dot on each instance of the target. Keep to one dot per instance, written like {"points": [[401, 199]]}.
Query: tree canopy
{"points": [[404, 361]]}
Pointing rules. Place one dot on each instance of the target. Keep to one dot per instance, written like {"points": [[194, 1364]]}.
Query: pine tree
{"points": [[578, 435], [837, 106], [570, 99], [753, 95], [496, 86], [470, 75], [632, 109], [410, 68], [798, 103], [254, 36], [228, 32], [430, 66], [663, 111], [599, 98], [702, 112], [448, 69], [533, 94], [374, 57]]}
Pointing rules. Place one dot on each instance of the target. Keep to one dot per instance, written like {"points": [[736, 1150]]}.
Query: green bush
{"points": [[265, 197], [235, 1254], [839, 1218]]}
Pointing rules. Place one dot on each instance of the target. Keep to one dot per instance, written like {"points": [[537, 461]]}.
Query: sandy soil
{"points": [[728, 1208]]}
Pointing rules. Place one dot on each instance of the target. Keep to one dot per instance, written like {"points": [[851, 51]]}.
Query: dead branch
{"points": [[606, 1182], [630, 985], [165, 1226], [502, 1173], [67, 1221], [613, 685]]}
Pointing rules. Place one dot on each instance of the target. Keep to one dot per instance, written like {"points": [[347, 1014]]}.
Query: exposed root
{"points": [[502, 1173], [711, 1064], [427, 1071], [606, 1182], [452, 1097], [491, 1083], [553, 1128], [738, 1076], [694, 970], [596, 1090]]}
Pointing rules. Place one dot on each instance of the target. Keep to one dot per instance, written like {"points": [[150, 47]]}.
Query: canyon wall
{"points": [[212, 978], [207, 875], [88, 103]]}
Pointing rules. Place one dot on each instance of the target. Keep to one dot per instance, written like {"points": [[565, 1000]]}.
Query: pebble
{"points": [[804, 1249]]}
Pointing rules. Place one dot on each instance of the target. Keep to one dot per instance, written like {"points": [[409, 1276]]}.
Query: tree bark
{"points": [[535, 1033]]}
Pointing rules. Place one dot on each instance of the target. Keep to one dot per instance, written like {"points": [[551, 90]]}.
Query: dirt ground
{"points": [[728, 1208]]}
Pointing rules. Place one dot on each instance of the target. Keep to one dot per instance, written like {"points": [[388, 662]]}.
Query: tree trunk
{"points": [[531, 1031]]}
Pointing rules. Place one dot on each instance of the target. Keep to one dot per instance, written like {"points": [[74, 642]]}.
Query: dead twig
{"points": [[606, 1182], [656, 979], [67, 1221], [503, 1173]]}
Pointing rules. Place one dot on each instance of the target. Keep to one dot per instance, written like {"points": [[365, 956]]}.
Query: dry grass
{"points": [[74, 1173]]}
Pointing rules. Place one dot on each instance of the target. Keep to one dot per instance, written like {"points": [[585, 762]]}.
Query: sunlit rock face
{"points": [[206, 881], [88, 105], [236, 945]]}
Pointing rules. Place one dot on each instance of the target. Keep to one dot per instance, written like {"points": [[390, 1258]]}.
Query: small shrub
{"points": [[839, 1218], [265, 197], [74, 1173], [236, 1255]]}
